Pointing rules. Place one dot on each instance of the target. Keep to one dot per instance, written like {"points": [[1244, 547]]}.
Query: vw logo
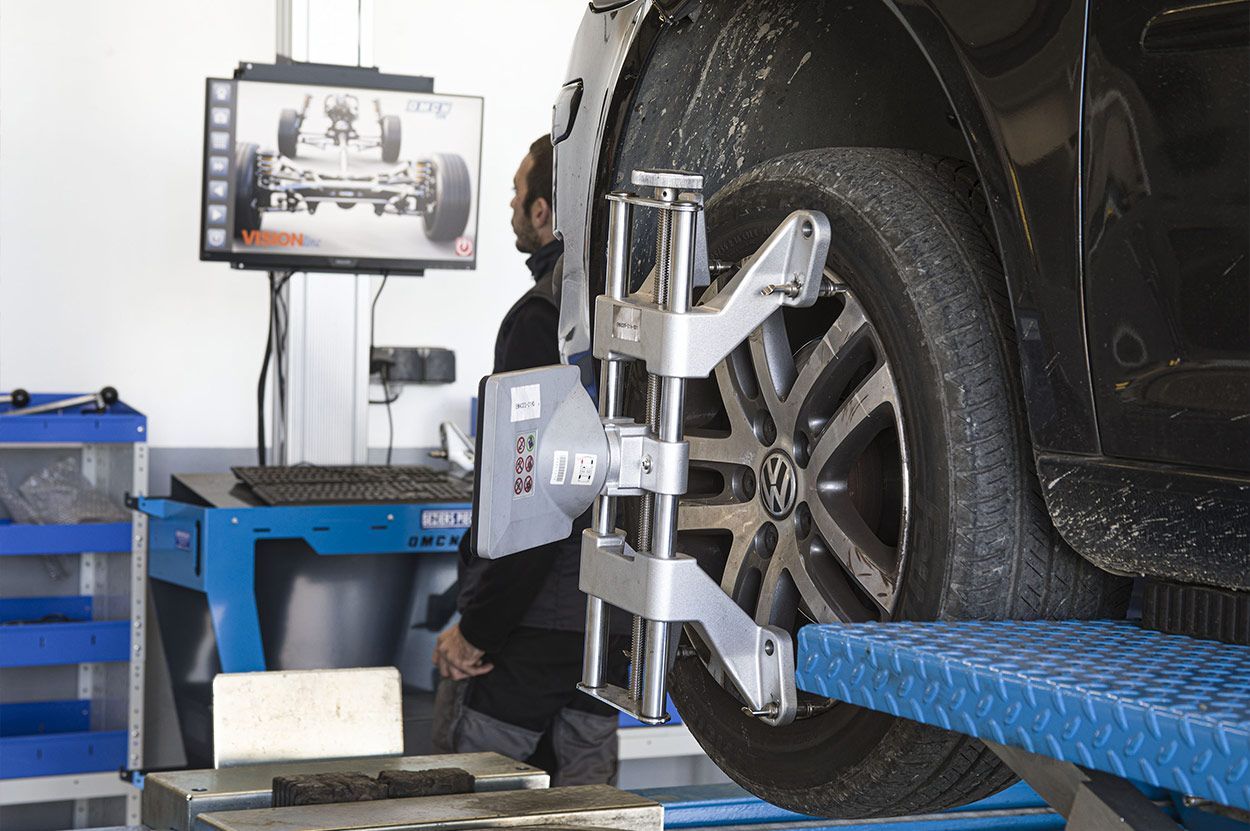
{"points": [[778, 485]]}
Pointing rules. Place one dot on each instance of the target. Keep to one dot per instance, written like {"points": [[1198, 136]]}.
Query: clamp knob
{"points": [[677, 180]]}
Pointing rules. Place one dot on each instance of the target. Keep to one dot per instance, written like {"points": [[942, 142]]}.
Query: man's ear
{"points": [[540, 213]]}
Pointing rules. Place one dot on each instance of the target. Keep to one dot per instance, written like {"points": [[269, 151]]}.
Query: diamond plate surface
{"points": [[1167, 710]]}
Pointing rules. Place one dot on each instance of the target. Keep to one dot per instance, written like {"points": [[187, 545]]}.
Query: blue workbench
{"points": [[211, 547]]}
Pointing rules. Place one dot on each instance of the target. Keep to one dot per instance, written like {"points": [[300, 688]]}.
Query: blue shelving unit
{"points": [[83, 607]]}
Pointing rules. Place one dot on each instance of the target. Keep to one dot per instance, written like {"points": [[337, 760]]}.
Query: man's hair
{"points": [[538, 182]]}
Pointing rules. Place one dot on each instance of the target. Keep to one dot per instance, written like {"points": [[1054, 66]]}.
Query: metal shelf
{"points": [[119, 424], [18, 540], [50, 644], [63, 788], [58, 753]]}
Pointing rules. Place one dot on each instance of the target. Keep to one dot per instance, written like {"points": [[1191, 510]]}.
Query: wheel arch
{"points": [[738, 83]]}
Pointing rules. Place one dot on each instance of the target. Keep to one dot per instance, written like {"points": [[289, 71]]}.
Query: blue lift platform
{"points": [[1101, 718]]}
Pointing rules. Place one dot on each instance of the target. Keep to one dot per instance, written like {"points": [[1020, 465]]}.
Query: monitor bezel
{"points": [[314, 74]]}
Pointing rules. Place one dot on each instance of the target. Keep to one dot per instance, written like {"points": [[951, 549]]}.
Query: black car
{"points": [[1033, 381]]}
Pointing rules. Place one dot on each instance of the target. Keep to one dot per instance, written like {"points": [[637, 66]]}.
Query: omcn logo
{"points": [[271, 239]]}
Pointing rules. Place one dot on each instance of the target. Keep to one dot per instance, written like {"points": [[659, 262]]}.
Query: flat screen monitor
{"points": [[317, 168]]}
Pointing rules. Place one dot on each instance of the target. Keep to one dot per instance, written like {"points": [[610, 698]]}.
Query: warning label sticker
{"points": [[584, 468], [523, 464]]}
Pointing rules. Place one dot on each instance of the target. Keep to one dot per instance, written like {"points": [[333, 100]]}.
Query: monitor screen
{"points": [[339, 176]]}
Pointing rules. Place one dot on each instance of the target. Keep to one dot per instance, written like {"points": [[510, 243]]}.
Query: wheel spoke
{"points": [[773, 364], [734, 449], [739, 417], [842, 436], [739, 553], [699, 515], [865, 558], [850, 322]]}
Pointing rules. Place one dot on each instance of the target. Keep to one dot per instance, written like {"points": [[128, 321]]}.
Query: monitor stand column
{"points": [[324, 419]]}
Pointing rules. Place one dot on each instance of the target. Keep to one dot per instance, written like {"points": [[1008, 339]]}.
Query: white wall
{"points": [[515, 53], [100, 143]]}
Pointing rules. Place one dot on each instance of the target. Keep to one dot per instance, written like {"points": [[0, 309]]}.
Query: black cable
{"points": [[373, 311], [275, 334], [264, 376], [282, 319], [387, 398], [390, 424]]}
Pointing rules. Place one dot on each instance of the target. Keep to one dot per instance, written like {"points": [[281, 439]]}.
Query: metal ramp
{"points": [[1064, 703]]}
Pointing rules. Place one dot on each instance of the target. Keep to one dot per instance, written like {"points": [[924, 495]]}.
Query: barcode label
{"points": [[559, 467]]}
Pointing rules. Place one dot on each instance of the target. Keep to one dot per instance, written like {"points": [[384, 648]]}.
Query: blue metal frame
{"points": [[19, 540], [31, 609], [49, 644], [31, 718], [59, 753], [1166, 710], [213, 550], [74, 639], [119, 424]]}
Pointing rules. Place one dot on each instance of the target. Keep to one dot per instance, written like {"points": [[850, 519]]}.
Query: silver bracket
{"points": [[757, 660], [641, 463], [785, 271]]}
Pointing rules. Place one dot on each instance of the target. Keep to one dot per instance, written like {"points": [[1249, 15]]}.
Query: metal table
{"points": [[206, 541]]}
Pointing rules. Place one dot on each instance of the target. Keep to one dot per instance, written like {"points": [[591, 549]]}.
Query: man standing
{"points": [[511, 665]]}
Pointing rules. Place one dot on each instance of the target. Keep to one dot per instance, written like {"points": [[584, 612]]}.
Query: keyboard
{"points": [[352, 484]]}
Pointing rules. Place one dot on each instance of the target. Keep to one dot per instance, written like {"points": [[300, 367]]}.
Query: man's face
{"points": [[527, 239]]}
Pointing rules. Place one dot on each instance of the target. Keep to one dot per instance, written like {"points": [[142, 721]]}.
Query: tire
{"points": [[447, 216], [898, 405], [392, 138], [246, 213], [288, 133]]}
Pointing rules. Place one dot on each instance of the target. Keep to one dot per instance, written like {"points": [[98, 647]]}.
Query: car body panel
{"points": [[1167, 235]]}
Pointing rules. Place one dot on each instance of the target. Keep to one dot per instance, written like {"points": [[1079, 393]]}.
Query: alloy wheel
{"points": [[800, 481]]}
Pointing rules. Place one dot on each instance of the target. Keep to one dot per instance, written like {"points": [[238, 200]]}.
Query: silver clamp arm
{"points": [[785, 271]]}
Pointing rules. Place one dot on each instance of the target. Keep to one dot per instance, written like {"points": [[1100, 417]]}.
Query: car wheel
{"points": [[448, 214], [392, 138], [246, 210], [288, 133], [868, 459]]}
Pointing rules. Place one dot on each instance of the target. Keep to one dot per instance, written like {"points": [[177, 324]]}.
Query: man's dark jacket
{"points": [[535, 588]]}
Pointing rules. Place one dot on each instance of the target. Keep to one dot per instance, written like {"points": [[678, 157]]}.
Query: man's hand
{"points": [[456, 658]]}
